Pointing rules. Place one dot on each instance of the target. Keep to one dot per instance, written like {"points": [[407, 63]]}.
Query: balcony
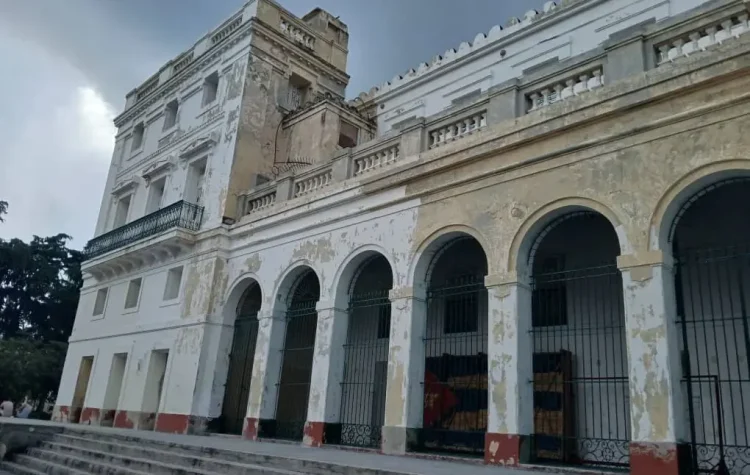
{"points": [[181, 214]]}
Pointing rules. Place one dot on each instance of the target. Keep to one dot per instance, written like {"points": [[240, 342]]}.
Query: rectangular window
{"points": [[170, 115], [296, 92], [155, 195], [134, 293], [172, 288], [348, 135], [137, 141], [121, 211], [461, 313], [210, 88], [549, 304], [101, 301]]}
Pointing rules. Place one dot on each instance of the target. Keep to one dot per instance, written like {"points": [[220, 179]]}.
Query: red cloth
{"points": [[439, 400]]}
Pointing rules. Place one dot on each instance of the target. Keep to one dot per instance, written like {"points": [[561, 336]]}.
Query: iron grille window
{"points": [[384, 321], [461, 313], [550, 304]]}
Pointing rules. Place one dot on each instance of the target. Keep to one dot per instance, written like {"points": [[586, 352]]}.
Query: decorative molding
{"points": [[158, 167], [125, 185], [200, 145]]}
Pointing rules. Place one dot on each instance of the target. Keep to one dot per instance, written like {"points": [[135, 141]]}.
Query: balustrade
{"points": [[309, 184], [376, 160], [566, 89], [458, 129], [261, 202], [702, 38]]}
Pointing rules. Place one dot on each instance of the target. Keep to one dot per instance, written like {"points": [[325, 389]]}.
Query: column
{"points": [[404, 399], [261, 405], [657, 410], [510, 351], [324, 403]]}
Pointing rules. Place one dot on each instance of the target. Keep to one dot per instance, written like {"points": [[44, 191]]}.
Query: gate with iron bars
{"points": [[712, 287]]}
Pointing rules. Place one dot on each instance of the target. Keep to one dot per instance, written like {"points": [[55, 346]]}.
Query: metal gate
{"points": [[365, 370], [712, 289], [237, 390], [455, 386], [581, 399], [297, 358], [240, 374]]}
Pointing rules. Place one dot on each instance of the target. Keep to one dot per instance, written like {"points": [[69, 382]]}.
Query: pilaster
{"points": [[656, 398], [510, 405], [324, 402], [261, 407], [406, 362]]}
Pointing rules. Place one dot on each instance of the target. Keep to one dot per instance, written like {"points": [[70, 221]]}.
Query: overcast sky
{"points": [[67, 64]]}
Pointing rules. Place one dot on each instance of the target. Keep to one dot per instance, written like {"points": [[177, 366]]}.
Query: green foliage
{"points": [[39, 285], [30, 368]]}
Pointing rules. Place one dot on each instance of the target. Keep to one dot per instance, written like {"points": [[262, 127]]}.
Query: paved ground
{"points": [[411, 465]]}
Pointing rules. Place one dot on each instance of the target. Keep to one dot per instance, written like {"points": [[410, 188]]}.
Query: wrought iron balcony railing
{"points": [[177, 215]]}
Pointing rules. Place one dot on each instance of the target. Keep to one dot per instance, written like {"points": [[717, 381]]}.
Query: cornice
{"points": [[312, 60], [174, 82]]}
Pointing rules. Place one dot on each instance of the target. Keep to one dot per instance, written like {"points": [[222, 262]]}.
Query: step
{"points": [[7, 467], [38, 457], [52, 467], [153, 460], [271, 464]]}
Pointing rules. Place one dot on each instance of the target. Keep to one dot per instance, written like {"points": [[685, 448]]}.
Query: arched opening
{"points": [[297, 357], [710, 239], [366, 353], [455, 384], [580, 365], [241, 357]]}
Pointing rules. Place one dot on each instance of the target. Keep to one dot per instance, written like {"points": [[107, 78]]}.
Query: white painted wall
{"points": [[561, 34]]}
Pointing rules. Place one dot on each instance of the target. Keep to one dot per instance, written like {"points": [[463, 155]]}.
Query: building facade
{"points": [[532, 249]]}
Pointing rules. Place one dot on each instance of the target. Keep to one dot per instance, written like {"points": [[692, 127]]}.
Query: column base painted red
{"points": [[90, 416], [650, 458], [250, 431], [313, 434], [172, 423], [503, 449]]}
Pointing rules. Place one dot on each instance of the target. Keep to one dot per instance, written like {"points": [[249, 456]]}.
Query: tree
{"points": [[39, 285], [3, 210]]}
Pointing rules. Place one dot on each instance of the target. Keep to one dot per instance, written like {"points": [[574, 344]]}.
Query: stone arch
{"points": [[287, 280], [681, 191], [347, 271], [238, 288], [425, 256], [528, 233]]}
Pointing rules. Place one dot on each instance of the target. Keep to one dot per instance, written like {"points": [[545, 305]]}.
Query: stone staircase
{"points": [[78, 453]]}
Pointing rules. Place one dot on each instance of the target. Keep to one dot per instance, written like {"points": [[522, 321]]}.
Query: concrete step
{"points": [[51, 462], [153, 460], [7, 467], [277, 464], [52, 467]]}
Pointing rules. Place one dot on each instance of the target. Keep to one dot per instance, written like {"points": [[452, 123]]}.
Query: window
{"points": [[134, 292], [101, 301], [384, 321], [461, 313], [155, 195], [549, 305], [195, 181], [296, 93], [348, 134], [170, 115], [210, 88], [172, 288], [121, 211], [138, 132]]}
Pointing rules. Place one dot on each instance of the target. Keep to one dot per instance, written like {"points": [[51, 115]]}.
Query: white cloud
{"points": [[95, 126]]}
